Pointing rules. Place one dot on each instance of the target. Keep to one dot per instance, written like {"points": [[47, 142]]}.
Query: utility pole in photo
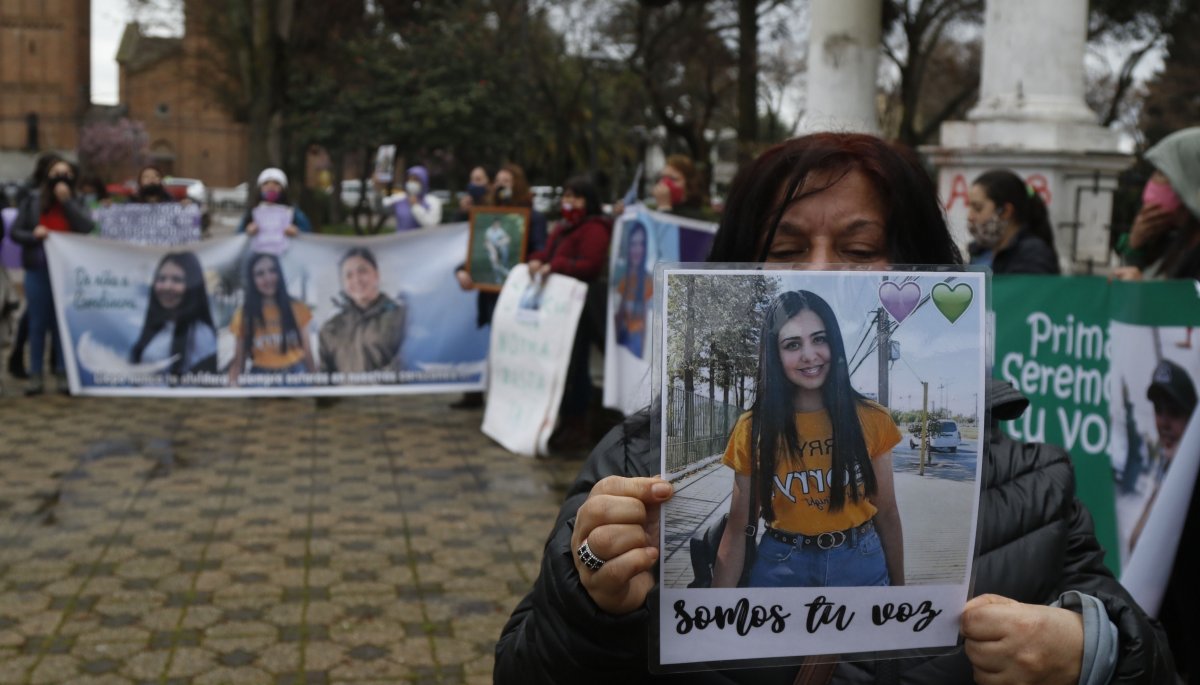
{"points": [[884, 345], [924, 425]]}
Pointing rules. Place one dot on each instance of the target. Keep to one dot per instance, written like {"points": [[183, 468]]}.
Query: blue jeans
{"points": [[860, 564], [42, 321]]}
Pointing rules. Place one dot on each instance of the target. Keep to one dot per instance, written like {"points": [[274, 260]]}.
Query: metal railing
{"points": [[707, 432]]}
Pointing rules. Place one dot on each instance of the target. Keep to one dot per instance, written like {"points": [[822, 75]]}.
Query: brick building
{"points": [[162, 85], [45, 73]]}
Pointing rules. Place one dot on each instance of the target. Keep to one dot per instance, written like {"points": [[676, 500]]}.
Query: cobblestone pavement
{"points": [[380, 539]]}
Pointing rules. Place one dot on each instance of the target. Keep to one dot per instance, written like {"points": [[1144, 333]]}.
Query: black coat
{"points": [[33, 256], [1026, 254], [1036, 542]]}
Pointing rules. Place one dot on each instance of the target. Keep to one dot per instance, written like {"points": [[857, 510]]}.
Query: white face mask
{"points": [[413, 187], [988, 232]]}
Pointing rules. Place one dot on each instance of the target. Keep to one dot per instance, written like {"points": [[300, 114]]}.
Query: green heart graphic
{"points": [[952, 302]]}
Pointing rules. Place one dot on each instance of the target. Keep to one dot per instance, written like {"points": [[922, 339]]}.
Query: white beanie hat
{"points": [[272, 174]]}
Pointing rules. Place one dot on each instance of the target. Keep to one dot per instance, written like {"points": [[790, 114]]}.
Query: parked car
{"points": [[351, 193], [546, 199], [943, 435], [231, 198], [191, 188]]}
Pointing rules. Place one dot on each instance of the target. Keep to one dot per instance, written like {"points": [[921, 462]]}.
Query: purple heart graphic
{"points": [[899, 300]]}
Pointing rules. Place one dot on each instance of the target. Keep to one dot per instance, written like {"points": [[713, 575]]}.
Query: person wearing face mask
{"points": [[150, 187], [510, 189], [272, 190], [679, 190], [478, 188], [1165, 239], [16, 357], [53, 208], [1010, 226], [93, 194], [1048, 610], [415, 207], [577, 247]]}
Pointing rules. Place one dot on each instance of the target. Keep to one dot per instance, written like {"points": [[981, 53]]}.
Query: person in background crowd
{"points": [[820, 200], [16, 357], [271, 328], [577, 247], [53, 208], [415, 207], [178, 322], [272, 190], [1010, 226], [150, 187], [510, 189], [479, 186], [93, 193], [1165, 239], [680, 191]]}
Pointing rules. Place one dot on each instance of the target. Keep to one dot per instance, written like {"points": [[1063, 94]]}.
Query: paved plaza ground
{"points": [[377, 540]]}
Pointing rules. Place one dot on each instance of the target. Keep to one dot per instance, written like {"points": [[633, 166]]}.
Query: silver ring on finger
{"points": [[589, 559]]}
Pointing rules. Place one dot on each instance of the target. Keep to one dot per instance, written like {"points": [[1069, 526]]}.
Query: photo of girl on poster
{"points": [[179, 323], [367, 332], [808, 422], [270, 327], [636, 290]]}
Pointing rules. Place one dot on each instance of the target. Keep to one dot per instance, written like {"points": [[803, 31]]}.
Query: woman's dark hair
{"points": [[764, 189], [97, 183], [191, 311], [149, 167], [582, 186], [46, 197], [774, 411], [252, 309], [637, 271], [361, 252], [1004, 188]]}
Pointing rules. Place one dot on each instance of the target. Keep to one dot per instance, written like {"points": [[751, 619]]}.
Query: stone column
{"points": [[843, 66], [1032, 119]]}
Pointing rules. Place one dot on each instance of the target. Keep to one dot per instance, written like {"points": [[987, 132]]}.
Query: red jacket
{"points": [[578, 250]]}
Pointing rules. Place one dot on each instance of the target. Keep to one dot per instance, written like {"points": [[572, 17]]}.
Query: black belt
{"points": [[829, 540]]}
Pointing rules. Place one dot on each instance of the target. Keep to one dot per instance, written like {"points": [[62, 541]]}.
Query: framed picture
{"points": [[867, 390], [499, 236]]}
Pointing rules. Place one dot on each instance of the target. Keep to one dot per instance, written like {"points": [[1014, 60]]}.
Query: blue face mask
{"points": [[476, 191]]}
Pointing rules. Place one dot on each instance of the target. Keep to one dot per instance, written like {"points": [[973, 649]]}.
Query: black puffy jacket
{"points": [[1036, 542]]}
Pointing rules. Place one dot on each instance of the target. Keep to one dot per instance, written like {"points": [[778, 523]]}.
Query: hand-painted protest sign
{"points": [[1105, 365], [889, 577], [533, 329], [642, 239], [332, 316], [272, 220], [163, 223], [10, 252]]}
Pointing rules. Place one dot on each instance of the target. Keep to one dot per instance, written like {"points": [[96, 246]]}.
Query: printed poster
{"points": [[641, 239], [10, 251], [897, 362], [272, 221], [162, 223], [533, 330], [332, 316]]}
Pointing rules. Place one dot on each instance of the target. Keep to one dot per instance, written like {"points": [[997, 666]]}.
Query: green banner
{"points": [[1051, 343]]}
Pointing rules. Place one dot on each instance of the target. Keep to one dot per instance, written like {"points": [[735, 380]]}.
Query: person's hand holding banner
{"points": [[1011, 642]]}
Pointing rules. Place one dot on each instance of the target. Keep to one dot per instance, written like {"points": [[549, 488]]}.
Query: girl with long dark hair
{"points": [[636, 288], [54, 207], [178, 323], [819, 454], [270, 327]]}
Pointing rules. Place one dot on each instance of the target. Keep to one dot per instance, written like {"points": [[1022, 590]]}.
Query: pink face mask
{"points": [[1161, 194]]}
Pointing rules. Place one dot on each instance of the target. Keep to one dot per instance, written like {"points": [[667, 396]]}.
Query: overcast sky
{"points": [[108, 21]]}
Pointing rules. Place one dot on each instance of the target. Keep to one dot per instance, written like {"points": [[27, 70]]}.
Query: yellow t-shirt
{"points": [[268, 334], [802, 482], [627, 288]]}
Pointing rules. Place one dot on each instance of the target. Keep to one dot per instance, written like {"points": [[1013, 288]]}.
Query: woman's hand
{"points": [[251, 228], [1151, 221], [40, 232], [538, 268], [1126, 273], [464, 279], [291, 231], [1011, 642], [620, 522]]}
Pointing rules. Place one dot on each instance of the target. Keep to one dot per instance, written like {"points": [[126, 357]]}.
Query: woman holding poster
{"points": [[809, 423], [179, 323], [272, 193], [270, 327], [1048, 610]]}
